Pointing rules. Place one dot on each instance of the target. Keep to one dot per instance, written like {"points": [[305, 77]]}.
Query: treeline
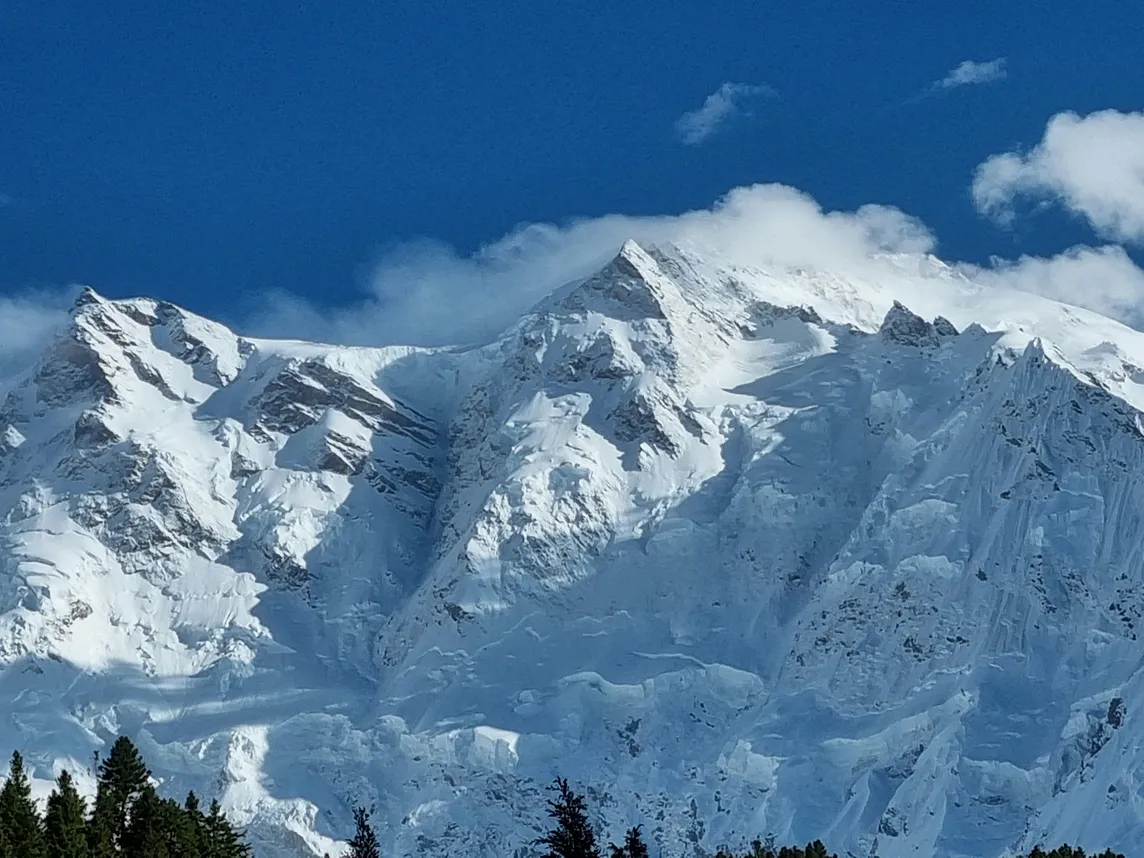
{"points": [[128, 818], [572, 836]]}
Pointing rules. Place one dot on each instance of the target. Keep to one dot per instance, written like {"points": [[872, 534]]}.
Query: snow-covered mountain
{"points": [[739, 552]]}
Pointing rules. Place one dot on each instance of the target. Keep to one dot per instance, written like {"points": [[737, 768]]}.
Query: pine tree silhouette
{"points": [[123, 778], [364, 843], [181, 829], [146, 833], [195, 821], [65, 822], [633, 847], [18, 817], [221, 838], [129, 820], [572, 837]]}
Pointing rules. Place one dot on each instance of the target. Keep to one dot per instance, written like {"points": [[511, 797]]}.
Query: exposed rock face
{"points": [[902, 326], [741, 552]]}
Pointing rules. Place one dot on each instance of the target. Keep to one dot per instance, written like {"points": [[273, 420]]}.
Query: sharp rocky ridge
{"points": [[741, 552]]}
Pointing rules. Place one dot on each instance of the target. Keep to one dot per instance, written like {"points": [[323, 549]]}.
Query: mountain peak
{"points": [[631, 248], [736, 552], [631, 283], [901, 325], [86, 297]]}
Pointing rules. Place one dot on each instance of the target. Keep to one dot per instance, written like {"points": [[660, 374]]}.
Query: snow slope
{"points": [[740, 552]]}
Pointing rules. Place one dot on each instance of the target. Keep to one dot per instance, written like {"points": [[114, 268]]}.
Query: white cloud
{"points": [[1102, 279], [27, 322], [717, 111], [428, 294], [970, 73], [1093, 165]]}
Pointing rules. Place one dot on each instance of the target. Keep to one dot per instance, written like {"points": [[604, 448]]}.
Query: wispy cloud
{"points": [[718, 110], [28, 321], [971, 73], [1093, 165], [967, 73]]}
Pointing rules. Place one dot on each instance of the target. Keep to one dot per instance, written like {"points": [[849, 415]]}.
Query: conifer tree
{"points": [[129, 818], [195, 820], [634, 844], [123, 778], [65, 823], [146, 835], [160, 828], [572, 836], [364, 843], [18, 816], [220, 839], [101, 830], [633, 847]]}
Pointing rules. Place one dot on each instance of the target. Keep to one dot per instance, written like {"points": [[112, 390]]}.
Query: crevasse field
{"points": [[739, 552]]}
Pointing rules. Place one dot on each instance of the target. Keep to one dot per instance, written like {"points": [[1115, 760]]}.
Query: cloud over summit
{"points": [[428, 294]]}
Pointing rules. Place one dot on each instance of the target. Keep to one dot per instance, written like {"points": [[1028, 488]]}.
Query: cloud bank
{"points": [[428, 294], [1102, 279], [718, 110], [1092, 165]]}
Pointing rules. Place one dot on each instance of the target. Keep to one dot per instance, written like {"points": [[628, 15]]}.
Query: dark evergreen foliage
{"points": [[65, 822], [633, 847], [147, 834], [129, 818], [101, 833], [364, 843], [759, 850], [1066, 851], [818, 850], [572, 836], [220, 838], [23, 829], [123, 778]]}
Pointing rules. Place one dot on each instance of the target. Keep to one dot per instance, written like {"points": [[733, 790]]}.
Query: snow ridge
{"points": [[742, 552]]}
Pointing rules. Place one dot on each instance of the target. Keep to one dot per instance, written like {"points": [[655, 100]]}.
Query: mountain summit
{"points": [[741, 552]]}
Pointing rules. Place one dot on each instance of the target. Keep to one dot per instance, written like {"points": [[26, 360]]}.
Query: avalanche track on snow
{"points": [[739, 552]]}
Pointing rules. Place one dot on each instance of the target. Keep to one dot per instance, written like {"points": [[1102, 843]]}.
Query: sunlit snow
{"points": [[739, 552]]}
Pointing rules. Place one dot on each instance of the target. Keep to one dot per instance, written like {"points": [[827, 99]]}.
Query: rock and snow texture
{"points": [[739, 552]]}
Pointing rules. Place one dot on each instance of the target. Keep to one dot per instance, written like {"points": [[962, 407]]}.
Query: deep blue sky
{"points": [[207, 156]]}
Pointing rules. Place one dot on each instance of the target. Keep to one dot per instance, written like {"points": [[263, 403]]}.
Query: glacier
{"points": [[739, 551]]}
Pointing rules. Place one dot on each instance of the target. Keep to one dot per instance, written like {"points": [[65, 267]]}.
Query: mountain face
{"points": [[739, 552]]}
